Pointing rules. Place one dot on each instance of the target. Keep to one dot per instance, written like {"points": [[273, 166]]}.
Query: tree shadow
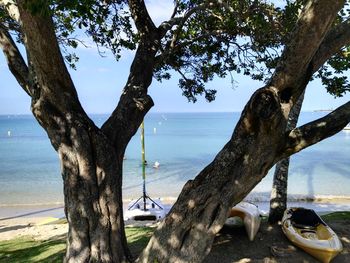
{"points": [[27, 250], [270, 245], [10, 228]]}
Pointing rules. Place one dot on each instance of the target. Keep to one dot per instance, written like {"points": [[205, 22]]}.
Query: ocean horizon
{"points": [[183, 144]]}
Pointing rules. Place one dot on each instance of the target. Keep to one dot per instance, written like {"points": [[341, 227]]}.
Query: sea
{"points": [[182, 143]]}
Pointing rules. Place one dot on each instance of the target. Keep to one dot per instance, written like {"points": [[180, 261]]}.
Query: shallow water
{"points": [[183, 144]]}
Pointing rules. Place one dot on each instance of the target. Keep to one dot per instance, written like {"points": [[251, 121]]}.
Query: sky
{"points": [[99, 81]]}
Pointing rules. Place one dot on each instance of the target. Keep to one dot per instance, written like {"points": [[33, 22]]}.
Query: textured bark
{"points": [[278, 200]]}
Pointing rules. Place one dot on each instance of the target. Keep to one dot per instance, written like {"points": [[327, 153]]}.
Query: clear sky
{"points": [[99, 82]]}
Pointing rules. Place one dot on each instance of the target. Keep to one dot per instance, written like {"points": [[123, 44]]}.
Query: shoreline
{"points": [[42, 222], [56, 209]]}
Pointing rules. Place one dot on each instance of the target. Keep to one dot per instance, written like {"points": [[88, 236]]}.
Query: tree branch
{"points": [[318, 130], [311, 28], [46, 58], [141, 17], [338, 37], [15, 60]]}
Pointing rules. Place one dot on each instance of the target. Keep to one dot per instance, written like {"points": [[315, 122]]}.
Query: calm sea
{"points": [[183, 144]]}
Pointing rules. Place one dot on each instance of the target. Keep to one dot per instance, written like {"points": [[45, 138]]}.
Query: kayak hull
{"points": [[319, 241], [250, 215]]}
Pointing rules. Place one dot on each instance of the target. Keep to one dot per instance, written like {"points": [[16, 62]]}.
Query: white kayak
{"points": [[307, 230], [250, 215], [152, 210]]}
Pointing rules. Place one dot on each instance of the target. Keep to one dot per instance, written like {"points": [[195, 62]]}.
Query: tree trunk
{"points": [[278, 200], [91, 164], [187, 232], [258, 142], [92, 176]]}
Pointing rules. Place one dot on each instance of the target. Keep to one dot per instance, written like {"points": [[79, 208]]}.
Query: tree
{"points": [[258, 141], [199, 41], [337, 86]]}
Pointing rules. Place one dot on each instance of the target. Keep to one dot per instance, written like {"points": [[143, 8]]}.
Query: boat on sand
{"points": [[250, 215], [307, 230]]}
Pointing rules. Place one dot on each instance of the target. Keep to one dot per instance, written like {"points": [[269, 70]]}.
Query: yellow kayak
{"points": [[307, 230]]}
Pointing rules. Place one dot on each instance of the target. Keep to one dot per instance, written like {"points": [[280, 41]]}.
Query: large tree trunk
{"points": [[278, 200], [92, 175], [91, 164], [258, 142], [187, 232]]}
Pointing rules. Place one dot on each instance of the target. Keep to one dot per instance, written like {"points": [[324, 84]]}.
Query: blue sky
{"points": [[99, 82]]}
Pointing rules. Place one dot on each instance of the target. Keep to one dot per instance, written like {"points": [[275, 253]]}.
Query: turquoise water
{"points": [[183, 144]]}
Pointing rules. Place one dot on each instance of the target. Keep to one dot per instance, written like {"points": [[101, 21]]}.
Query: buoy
{"points": [[8, 133], [156, 165], [154, 130]]}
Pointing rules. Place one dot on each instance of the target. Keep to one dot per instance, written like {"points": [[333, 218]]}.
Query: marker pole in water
{"points": [[143, 158]]}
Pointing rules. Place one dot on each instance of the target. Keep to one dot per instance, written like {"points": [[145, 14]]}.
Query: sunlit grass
{"points": [[337, 216], [27, 250]]}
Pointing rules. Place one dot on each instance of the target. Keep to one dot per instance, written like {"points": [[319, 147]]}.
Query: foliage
{"points": [[212, 40]]}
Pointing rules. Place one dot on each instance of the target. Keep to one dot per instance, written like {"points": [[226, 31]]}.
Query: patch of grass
{"points": [[345, 215], [26, 250], [138, 238]]}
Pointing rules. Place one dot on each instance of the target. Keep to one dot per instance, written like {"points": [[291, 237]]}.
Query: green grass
{"points": [[27, 250], [337, 216]]}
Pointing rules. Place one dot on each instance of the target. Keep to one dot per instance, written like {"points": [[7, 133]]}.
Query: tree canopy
{"points": [[201, 39]]}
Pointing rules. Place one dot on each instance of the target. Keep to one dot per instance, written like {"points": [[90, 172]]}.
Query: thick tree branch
{"points": [[141, 17], [15, 60], [47, 61], [318, 130], [312, 26], [338, 37]]}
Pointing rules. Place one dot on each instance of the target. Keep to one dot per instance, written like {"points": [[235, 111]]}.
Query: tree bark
{"points": [[278, 200]]}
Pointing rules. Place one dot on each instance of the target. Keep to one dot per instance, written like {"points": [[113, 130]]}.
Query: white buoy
{"points": [[156, 164], [9, 133], [154, 130]]}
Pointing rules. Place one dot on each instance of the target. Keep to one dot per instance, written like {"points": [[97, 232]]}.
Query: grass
{"points": [[337, 216], [27, 250], [23, 250]]}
